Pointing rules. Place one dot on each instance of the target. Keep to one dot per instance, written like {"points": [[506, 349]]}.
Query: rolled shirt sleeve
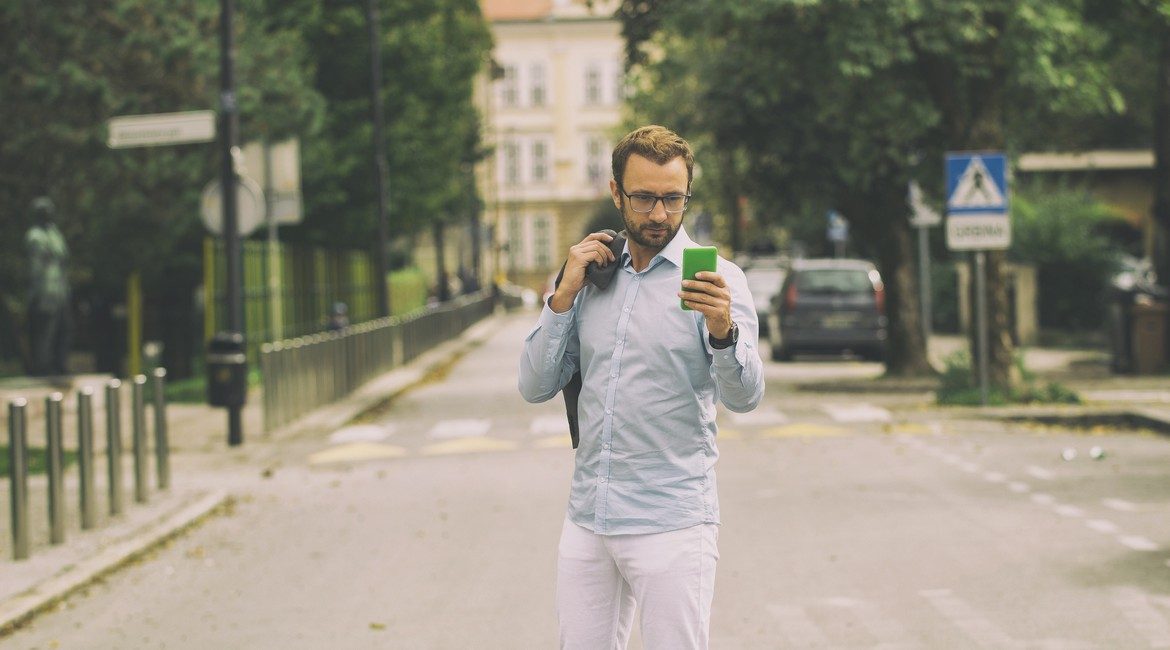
{"points": [[738, 370], [550, 355]]}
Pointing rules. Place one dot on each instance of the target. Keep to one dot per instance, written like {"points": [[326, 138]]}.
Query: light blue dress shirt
{"points": [[650, 380]]}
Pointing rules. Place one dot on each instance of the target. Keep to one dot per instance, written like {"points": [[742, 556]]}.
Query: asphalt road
{"points": [[849, 521]]}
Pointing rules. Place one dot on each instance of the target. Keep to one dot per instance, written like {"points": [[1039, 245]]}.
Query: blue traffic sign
{"points": [[976, 183]]}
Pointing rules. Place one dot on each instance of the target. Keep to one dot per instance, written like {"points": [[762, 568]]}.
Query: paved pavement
{"points": [[203, 466]]}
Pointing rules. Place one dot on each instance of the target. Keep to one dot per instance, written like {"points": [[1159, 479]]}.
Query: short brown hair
{"points": [[656, 143]]}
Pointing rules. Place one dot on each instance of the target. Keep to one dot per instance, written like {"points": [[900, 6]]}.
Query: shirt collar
{"points": [[671, 253]]}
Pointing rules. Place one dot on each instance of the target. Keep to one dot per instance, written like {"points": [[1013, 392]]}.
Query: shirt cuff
{"points": [[554, 322]]}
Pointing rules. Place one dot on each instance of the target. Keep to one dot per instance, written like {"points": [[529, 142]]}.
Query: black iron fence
{"points": [[304, 373]]}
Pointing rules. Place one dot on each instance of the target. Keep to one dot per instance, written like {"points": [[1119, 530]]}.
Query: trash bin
{"points": [[1148, 337], [227, 370]]}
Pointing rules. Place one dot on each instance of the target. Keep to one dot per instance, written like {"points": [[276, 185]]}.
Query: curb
{"points": [[1125, 418], [18, 610]]}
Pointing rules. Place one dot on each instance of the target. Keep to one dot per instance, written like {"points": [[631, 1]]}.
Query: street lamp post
{"points": [[229, 129], [381, 173]]}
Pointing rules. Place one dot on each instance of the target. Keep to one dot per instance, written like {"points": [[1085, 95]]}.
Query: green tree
{"points": [[66, 70], [835, 103]]}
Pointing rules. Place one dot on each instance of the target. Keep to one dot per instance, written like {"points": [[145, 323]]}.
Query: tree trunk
{"points": [[1161, 209], [442, 290]]}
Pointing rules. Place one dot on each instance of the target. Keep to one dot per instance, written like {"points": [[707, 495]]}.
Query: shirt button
{"points": [[609, 411], [627, 310], [602, 479], [605, 446]]}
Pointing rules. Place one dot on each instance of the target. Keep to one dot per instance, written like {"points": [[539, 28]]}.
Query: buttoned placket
{"points": [[605, 456]]}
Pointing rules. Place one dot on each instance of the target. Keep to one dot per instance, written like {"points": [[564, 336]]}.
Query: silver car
{"points": [[830, 306]]}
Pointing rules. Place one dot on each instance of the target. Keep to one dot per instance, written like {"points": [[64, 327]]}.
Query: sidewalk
{"points": [[203, 469]]}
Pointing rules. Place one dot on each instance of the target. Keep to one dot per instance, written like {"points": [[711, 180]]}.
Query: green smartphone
{"points": [[695, 259]]}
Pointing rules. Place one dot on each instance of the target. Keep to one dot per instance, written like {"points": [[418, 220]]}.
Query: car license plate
{"points": [[838, 321]]}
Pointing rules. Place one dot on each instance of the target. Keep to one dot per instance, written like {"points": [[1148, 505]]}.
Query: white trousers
{"points": [[670, 576]]}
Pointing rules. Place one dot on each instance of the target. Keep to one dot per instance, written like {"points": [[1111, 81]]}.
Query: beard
{"points": [[647, 235]]}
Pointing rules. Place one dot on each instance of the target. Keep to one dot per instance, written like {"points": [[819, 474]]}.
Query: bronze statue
{"points": [[49, 321]]}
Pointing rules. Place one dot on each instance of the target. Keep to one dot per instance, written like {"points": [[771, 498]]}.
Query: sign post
{"points": [[977, 220]]}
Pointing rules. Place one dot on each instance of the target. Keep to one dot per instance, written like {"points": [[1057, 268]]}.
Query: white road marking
{"points": [[761, 417], [1136, 607], [798, 628], [1102, 526], [1018, 487], [981, 630], [888, 632], [1127, 395], [465, 428], [1120, 505], [969, 467], [362, 433], [549, 425], [1043, 499], [1066, 510], [994, 477], [1040, 473], [857, 413], [1137, 543], [951, 459]]}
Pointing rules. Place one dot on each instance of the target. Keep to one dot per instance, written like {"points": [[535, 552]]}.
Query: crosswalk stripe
{"points": [[549, 425], [467, 446], [888, 632], [357, 451], [763, 416], [362, 433], [1135, 605], [804, 430], [981, 630], [554, 442], [465, 428], [857, 413]]}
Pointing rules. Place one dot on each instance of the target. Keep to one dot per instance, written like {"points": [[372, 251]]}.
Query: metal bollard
{"points": [[162, 443], [55, 467], [18, 476], [85, 454], [114, 444], [138, 424]]}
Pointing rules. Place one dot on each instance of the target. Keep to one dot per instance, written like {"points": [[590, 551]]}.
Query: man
{"points": [[48, 294], [643, 514]]}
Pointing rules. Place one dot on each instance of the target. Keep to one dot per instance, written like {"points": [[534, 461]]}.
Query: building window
{"points": [[515, 241], [509, 92], [619, 88], [511, 163], [542, 242], [593, 85], [594, 160], [539, 89], [540, 161]]}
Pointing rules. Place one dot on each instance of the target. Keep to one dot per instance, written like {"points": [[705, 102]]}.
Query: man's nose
{"points": [[659, 212]]}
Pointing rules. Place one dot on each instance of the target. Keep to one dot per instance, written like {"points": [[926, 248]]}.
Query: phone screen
{"points": [[695, 259]]}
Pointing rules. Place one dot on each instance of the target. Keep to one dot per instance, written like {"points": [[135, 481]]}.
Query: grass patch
{"points": [[193, 390], [959, 386], [36, 460]]}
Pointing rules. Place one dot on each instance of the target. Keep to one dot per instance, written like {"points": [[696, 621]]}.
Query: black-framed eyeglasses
{"points": [[642, 202]]}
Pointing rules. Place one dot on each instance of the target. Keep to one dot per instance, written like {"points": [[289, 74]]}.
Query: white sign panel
{"points": [[922, 215], [249, 206], [160, 129], [979, 232]]}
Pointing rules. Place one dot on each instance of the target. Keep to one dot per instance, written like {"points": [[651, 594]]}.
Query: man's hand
{"points": [[591, 249], [708, 294]]}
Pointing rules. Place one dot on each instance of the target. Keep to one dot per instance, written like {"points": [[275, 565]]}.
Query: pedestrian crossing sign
{"points": [[976, 183], [977, 201]]}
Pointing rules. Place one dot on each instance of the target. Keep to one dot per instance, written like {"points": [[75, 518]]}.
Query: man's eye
{"points": [[643, 197]]}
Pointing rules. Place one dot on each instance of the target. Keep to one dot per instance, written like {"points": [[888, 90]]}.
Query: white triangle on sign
{"points": [[976, 188]]}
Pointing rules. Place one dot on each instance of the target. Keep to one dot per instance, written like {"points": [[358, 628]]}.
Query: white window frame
{"points": [[510, 87], [538, 85], [593, 91], [510, 169], [541, 155]]}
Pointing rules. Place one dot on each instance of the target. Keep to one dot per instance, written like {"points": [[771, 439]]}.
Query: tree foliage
{"points": [[839, 103]]}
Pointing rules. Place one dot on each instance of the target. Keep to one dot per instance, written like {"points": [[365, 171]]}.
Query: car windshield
{"points": [[764, 282], [835, 281]]}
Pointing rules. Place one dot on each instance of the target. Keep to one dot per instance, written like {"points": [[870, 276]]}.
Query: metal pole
{"points": [[18, 476], [229, 136], [924, 283], [138, 420], [981, 316], [162, 444], [85, 454], [114, 445], [54, 463], [381, 172]]}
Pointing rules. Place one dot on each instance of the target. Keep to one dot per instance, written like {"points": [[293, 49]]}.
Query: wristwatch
{"points": [[724, 343]]}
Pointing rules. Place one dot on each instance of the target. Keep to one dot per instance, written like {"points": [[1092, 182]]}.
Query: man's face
{"points": [[652, 230]]}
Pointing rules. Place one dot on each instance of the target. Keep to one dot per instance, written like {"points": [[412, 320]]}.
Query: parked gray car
{"points": [[829, 306]]}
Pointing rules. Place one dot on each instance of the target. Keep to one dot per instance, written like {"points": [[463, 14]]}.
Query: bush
{"points": [[408, 291], [959, 386], [1063, 233]]}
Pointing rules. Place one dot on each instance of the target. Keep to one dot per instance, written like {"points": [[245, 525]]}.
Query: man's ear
{"points": [[615, 195]]}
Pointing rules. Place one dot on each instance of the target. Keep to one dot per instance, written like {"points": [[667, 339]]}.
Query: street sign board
{"points": [[977, 201], [249, 206], [922, 215], [836, 228], [160, 129]]}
